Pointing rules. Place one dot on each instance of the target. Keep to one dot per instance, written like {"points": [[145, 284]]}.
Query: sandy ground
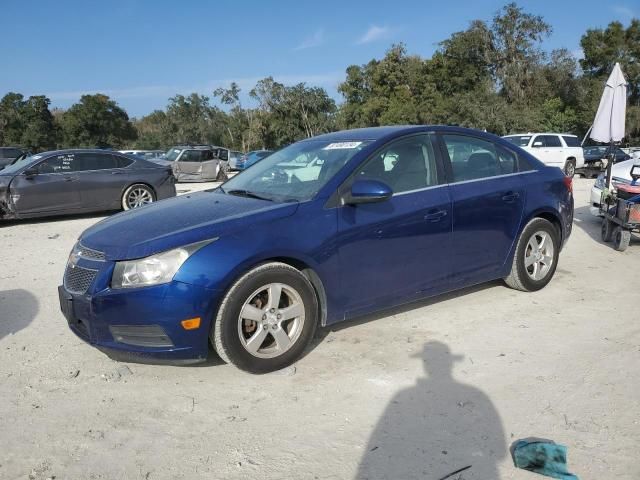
{"points": [[414, 393]]}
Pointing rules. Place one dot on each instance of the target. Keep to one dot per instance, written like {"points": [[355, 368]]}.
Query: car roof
{"points": [[528, 134]]}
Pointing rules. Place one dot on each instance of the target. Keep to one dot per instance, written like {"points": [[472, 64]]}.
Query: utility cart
{"points": [[621, 212]]}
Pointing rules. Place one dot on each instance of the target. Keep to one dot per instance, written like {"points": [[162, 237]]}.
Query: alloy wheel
{"points": [[139, 197], [271, 320], [538, 255]]}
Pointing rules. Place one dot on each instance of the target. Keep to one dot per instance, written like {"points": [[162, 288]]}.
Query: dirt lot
{"points": [[414, 393]]}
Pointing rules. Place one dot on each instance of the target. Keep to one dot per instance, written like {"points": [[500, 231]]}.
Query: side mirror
{"points": [[30, 172], [635, 173], [368, 191], [537, 144]]}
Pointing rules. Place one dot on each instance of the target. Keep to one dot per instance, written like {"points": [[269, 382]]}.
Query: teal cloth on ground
{"points": [[545, 458]]}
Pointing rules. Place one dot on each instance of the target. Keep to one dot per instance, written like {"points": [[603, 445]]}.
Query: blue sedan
{"points": [[326, 229]]}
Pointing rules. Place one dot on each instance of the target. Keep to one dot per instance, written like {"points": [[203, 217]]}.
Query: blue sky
{"points": [[142, 52]]}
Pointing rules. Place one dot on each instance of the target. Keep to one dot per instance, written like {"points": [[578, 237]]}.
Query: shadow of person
{"points": [[18, 308], [435, 428]]}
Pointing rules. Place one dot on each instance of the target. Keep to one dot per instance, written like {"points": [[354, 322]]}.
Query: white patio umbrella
{"points": [[608, 126]]}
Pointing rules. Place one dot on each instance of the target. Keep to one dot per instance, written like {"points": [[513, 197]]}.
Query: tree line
{"points": [[493, 76]]}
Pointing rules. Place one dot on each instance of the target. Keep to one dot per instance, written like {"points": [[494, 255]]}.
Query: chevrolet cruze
{"points": [[326, 229]]}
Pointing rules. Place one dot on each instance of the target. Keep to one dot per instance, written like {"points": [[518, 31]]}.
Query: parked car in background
{"points": [[198, 163], [594, 156], [80, 181], [9, 154], [620, 174], [234, 156], [146, 154], [250, 158], [560, 150], [392, 215]]}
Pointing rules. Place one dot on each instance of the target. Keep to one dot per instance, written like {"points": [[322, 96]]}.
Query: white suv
{"points": [[555, 149]]}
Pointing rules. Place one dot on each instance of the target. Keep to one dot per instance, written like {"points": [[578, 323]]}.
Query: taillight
{"points": [[568, 182]]}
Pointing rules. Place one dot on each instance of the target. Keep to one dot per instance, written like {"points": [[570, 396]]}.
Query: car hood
{"points": [[623, 169], [179, 221]]}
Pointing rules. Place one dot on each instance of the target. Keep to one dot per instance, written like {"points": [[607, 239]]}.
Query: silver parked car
{"points": [[199, 163]]}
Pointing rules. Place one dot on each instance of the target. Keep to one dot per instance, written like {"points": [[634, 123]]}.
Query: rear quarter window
{"points": [[571, 141]]}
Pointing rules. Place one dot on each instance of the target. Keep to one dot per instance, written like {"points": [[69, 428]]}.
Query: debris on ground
{"points": [[544, 457]]}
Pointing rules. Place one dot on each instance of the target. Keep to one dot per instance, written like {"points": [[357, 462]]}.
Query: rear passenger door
{"points": [[488, 195], [99, 182]]}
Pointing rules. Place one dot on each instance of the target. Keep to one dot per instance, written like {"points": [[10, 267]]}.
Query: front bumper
{"points": [[143, 324]]}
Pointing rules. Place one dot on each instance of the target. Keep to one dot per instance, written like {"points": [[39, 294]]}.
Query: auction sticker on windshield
{"points": [[342, 145]]}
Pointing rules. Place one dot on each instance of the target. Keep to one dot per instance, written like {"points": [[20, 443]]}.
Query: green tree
{"points": [[40, 131], [12, 121], [97, 121]]}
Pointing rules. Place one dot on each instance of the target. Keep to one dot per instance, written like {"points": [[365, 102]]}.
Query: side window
{"points": [[190, 156], [96, 161], [552, 141], [472, 158], [507, 160], [61, 164], [122, 162], [405, 165], [539, 141], [571, 141]]}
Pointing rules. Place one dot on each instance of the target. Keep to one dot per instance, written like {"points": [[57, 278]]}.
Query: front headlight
{"points": [[599, 182], [153, 270]]}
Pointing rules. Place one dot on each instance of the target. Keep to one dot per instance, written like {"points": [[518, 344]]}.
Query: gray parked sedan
{"points": [[80, 181]]}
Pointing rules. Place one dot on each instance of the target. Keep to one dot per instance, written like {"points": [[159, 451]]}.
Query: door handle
{"points": [[510, 197], [435, 215], [116, 172], [70, 179]]}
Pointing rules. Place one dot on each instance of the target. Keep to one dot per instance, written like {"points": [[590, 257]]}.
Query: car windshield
{"points": [[16, 167], [295, 173], [172, 154], [519, 140]]}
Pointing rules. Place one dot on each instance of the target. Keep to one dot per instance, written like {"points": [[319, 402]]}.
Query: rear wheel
{"points": [[606, 230], [570, 168], [137, 195], [621, 239], [266, 320], [536, 256]]}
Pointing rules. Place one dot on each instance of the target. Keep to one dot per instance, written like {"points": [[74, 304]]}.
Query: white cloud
{"points": [[311, 41], [624, 12], [373, 34], [329, 79]]}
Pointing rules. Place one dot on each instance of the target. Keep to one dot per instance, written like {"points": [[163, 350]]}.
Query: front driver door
{"points": [[53, 188], [399, 247], [488, 195]]}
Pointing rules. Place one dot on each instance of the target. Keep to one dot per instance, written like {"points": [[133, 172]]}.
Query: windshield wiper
{"points": [[247, 193]]}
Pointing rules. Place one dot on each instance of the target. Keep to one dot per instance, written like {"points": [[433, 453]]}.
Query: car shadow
{"points": [[18, 308], [591, 225], [438, 428]]}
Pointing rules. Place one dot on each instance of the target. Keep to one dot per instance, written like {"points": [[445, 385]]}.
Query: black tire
{"points": [[126, 201], [621, 238], [225, 332], [519, 278], [607, 230], [570, 168]]}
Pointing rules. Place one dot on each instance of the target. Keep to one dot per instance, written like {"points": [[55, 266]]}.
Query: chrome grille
{"points": [[85, 252], [78, 279]]}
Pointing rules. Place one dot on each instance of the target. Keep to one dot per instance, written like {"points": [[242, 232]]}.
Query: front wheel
{"points": [[266, 320], [536, 256], [606, 230], [137, 195]]}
